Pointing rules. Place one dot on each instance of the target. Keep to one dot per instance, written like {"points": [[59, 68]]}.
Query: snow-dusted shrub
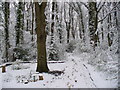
{"points": [[32, 51], [17, 65], [71, 46], [21, 53], [62, 53], [29, 77], [106, 61], [81, 47], [1, 60], [57, 48], [53, 53]]}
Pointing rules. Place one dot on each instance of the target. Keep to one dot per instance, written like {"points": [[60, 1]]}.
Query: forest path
{"points": [[77, 72], [83, 75]]}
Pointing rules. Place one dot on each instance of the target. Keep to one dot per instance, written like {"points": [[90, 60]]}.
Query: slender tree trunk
{"points": [[109, 26], [20, 24], [72, 23], [59, 22], [53, 24], [115, 14], [68, 32], [41, 37], [7, 15], [102, 29], [67, 24], [27, 20], [61, 32], [79, 23], [32, 21], [82, 23], [93, 23]]}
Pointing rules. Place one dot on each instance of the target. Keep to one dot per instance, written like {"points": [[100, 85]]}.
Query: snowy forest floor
{"points": [[77, 74]]}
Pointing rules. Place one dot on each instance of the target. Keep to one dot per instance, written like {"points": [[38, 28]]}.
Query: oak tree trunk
{"points": [[41, 37]]}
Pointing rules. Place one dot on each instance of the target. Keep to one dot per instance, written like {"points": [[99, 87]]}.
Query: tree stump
{"points": [[40, 77], [3, 69]]}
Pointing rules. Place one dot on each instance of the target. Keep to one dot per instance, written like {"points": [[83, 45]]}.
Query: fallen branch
{"points": [[55, 62], [11, 63]]}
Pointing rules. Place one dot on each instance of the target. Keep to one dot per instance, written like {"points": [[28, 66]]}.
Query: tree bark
{"points": [[82, 23], [32, 21], [6, 13], [41, 37], [72, 23], [20, 24], [52, 25], [59, 21], [93, 23], [79, 23], [109, 20], [67, 24]]}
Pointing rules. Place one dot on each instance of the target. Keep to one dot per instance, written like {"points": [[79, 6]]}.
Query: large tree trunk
{"points": [[41, 37]]}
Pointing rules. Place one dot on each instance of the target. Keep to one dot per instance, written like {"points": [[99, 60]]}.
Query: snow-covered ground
{"points": [[77, 74]]}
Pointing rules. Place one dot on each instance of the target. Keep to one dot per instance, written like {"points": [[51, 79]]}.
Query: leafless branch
{"points": [[85, 5], [99, 8], [106, 16], [111, 11], [73, 7], [99, 4]]}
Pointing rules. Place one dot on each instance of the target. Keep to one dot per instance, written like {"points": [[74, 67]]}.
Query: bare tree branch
{"points": [[99, 4], [73, 7], [85, 5], [111, 11], [99, 8], [106, 16]]}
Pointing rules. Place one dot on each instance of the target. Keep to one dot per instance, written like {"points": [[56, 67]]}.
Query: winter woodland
{"points": [[59, 44]]}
